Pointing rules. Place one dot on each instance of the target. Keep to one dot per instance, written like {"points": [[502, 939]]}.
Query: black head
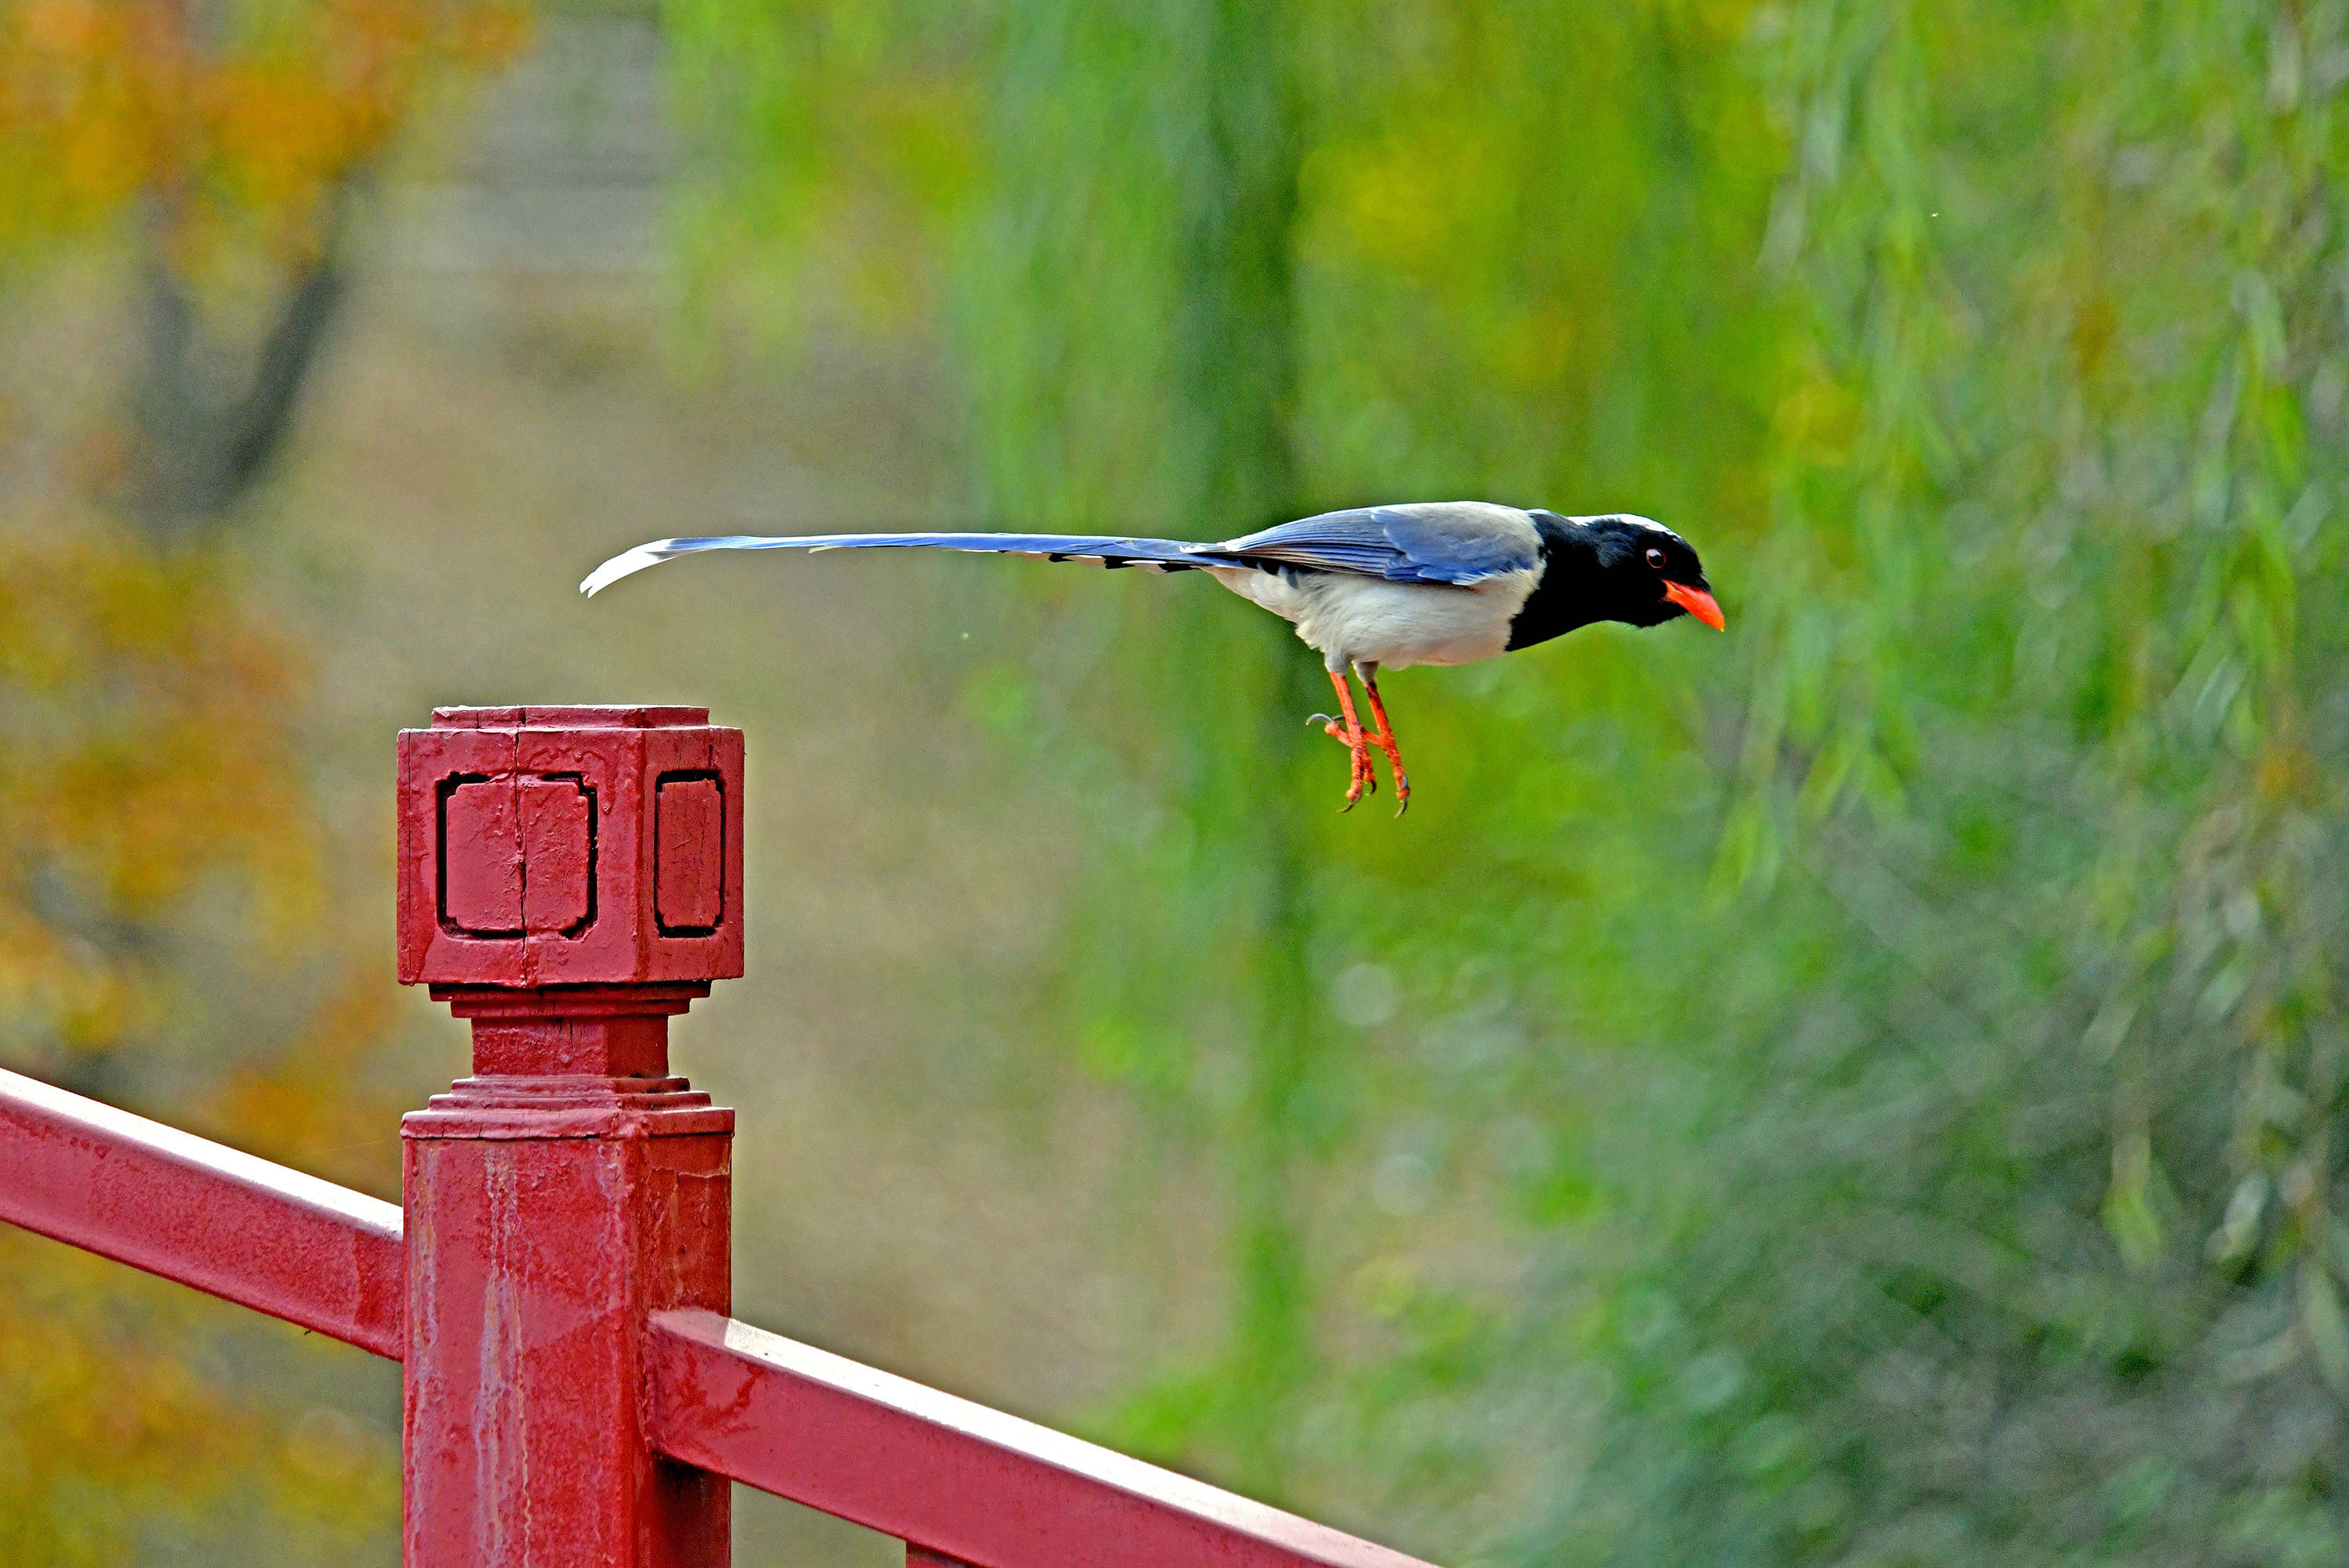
{"points": [[1613, 568]]}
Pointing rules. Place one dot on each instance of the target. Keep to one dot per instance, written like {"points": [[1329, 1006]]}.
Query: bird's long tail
{"points": [[1163, 554]]}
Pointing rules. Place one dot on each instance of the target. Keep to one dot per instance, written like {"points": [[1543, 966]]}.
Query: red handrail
{"points": [[955, 1478], [557, 1279], [962, 1481], [202, 1214]]}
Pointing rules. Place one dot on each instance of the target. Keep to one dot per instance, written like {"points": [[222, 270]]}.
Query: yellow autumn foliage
{"points": [[150, 766], [243, 121], [147, 726]]}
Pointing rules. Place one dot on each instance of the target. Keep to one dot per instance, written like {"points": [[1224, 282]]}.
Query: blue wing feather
{"points": [[1442, 544]]}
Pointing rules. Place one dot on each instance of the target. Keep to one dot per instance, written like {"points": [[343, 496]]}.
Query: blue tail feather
{"points": [[1167, 554]]}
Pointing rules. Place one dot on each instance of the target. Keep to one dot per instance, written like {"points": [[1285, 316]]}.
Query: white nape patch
{"points": [[1354, 619], [1650, 524]]}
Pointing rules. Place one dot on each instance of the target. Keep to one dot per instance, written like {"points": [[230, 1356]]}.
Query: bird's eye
{"points": [[1656, 559]]}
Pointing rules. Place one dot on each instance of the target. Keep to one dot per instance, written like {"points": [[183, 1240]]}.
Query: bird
{"points": [[1370, 588]]}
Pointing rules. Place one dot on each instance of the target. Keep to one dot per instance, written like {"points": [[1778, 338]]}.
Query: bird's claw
{"points": [[1362, 777], [1365, 780], [1362, 780]]}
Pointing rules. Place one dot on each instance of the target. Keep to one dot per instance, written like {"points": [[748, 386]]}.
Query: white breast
{"points": [[1356, 620]]}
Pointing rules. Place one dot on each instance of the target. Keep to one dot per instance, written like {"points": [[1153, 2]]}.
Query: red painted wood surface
{"points": [[547, 1218], [575, 1395], [202, 1214], [530, 849], [957, 1480], [571, 878]]}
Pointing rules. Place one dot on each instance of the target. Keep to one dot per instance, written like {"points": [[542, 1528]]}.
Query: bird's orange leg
{"points": [[1386, 740], [1357, 742]]}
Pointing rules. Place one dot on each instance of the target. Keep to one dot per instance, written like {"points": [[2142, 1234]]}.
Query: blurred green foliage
{"points": [[1859, 1091]]}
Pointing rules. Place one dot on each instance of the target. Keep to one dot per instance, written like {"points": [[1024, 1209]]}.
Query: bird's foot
{"points": [[1394, 765], [1384, 736], [1361, 780]]}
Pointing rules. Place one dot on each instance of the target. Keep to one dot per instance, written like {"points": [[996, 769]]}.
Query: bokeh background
{"points": [[1862, 1091]]}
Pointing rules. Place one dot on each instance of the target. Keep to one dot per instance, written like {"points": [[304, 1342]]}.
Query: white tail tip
{"points": [[624, 563]]}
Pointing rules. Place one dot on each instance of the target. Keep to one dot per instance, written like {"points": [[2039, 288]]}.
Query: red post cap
{"points": [[570, 846]]}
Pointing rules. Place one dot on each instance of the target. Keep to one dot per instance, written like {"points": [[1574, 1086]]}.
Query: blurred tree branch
{"points": [[192, 167], [204, 436], [224, 145]]}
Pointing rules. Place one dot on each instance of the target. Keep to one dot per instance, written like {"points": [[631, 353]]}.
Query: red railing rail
{"points": [[967, 1483], [178, 1205], [556, 1280]]}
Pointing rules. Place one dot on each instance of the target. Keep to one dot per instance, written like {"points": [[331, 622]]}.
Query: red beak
{"points": [[1697, 603]]}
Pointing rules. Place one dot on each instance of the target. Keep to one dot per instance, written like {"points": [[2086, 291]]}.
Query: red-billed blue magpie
{"points": [[1382, 587]]}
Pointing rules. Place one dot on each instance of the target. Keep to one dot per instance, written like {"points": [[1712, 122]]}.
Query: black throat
{"points": [[1566, 595]]}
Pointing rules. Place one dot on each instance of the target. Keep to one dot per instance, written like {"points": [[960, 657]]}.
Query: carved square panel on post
{"points": [[566, 846]]}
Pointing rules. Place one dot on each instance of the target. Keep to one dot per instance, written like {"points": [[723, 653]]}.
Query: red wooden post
{"points": [[569, 879], [576, 1394]]}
